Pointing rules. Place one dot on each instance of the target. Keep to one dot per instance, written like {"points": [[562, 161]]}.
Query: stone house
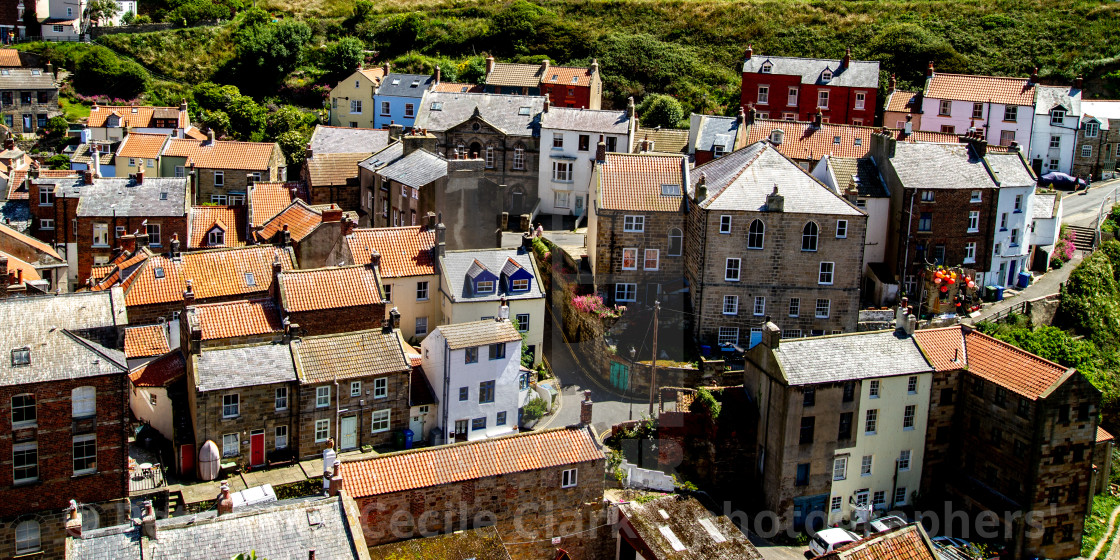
{"points": [[332, 178], [333, 299], [64, 408], [1096, 153], [568, 86], [231, 323], [353, 388], [858, 180], [1102, 461], [399, 182], [408, 272], [574, 136], [223, 170], [113, 123], [788, 88], [215, 227], [28, 99], [351, 102], [711, 136], [528, 487], [765, 238]]}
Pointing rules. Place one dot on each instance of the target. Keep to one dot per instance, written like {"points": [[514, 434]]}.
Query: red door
{"points": [[256, 448], [186, 461]]}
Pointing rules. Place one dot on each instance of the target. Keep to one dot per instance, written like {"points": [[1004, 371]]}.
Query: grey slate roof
{"points": [[1011, 170], [26, 78], [847, 357], [1044, 205], [121, 196], [381, 158], [405, 85], [859, 172], [706, 131], [859, 73], [417, 169], [586, 120], [68, 335], [699, 534], [939, 166], [338, 140], [244, 367], [455, 264], [742, 179], [1048, 97], [286, 529], [501, 111]]}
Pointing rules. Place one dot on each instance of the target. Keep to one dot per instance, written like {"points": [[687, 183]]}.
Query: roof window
{"points": [[36, 73], [836, 140], [858, 141], [159, 272], [766, 68], [135, 110], [415, 83], [555, 77], [575, 79], [249, 280], [670, 190], [21, 356], [437, 105], [163, 196], [826, 76], [5, 72], [524, 110], [397, 82]]}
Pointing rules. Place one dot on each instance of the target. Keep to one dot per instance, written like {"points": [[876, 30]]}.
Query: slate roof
{"points": [[665, 140], [908, 542], [379, 159], [1049, 97], [405, 85], [329, 288], [743, 179], [708, 131], [515, 115], [142, 145], [805, 141], [483, 543], [69, 336], [333, 168], [26, 78], [244, 366], [586, 120], [417, 169], [1012, 170], [157, 196], [478, 333], [939, 166], [145, 341], [285, 529], [1102, 110], [472, 460], [270, 198], [516, 75], [980, 89], [1045, 205], [860, 173], [828, 359], [405, 251], [160, 371], [231, 219], [300, 218], [340, 139], [138, 116], [632, 182], [700, 534], [234, 319], [223, 154], [349, 355], [454, 266], [213, 273], [858, 73]]}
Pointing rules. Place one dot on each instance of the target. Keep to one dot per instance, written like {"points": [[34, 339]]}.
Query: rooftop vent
{"points": [[21, 356]]}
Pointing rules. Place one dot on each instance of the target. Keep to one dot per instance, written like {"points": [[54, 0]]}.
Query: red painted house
{"points": [[794, 89]]}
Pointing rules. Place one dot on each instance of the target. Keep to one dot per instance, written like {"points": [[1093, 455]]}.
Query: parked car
{"points": [[887, 523], [830, 539]]}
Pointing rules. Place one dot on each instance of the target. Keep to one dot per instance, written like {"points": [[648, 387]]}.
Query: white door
{"points": [[416, 422], [349, 432]]}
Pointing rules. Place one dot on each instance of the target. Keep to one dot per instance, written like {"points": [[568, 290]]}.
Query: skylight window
{"points": [[524, 111], [670, 190], [21, 356], [415, 83], [437, 105], [6, 72], [159, 272], [249, 280], [575, 79], [36, 73], [163, 196], [397, 82], [555, 77], [836, 140]]}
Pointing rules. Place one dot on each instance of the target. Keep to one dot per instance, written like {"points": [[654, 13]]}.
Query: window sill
{"points": [[84, 474], [821, 317], [228, 418], [870, 433], [1017, 211], [726, 314], [910, 429]]}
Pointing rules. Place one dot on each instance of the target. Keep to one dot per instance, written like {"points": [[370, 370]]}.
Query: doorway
{"points": [[416, 423], [460, 430], [349, 434], [256, 447]]}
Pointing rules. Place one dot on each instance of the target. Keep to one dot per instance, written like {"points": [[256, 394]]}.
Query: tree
{"points": [[661, 110], [294, 145], [57, 126], [99, 11], [343, 57], [267, 53], [100, 71], [58, 162]]}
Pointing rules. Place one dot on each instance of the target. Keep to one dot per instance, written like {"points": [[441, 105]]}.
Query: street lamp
{"points": [[633, 353]]}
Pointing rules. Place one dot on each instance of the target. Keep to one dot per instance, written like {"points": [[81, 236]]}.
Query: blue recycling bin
{"points": [[1024, 279], [999, 293], [408, 435]]}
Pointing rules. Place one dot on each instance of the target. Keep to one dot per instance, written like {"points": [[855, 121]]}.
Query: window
{"points": [[871, 421], [849, 392], [84, 402], [927, 196], [763, 95], [860, 100], [584, 143], [730, 305], [948, 129], [422, 291], [974, 221], [837, 502], [464, 393], [231, 405], [500, 418], [153, 234], [969, 252], [561, 199], [46, 197], [824, 277], [840, 468], [1003, 221], [471, 355], [802, 477], [1014, 237], [1091, 129], [322, 396], [841, 229], [731, 270], [794, 307], [873, 389], [900, 496], [498, 351], [912, 385], [478, 424], [1018, 203], [46, 224], [1086, 151], [808, 424], [379, 421], [562, 171], [630, 259], [766, 68], [728, 335], [625, 292], [385, 108], [904, 460], [101, 235], [1010, 113], [925, 221], [1057, 116], [409, 110], [216, 237], [809, 237], [57, 28], [219, 178], [249, 280], [85, 454], [568, 478], [1006, 137], [823, 308], [759, 305], [652, 259], [756, 234], [355, 388], [486, 388], [809, 397], [822, 99], [865, 466], [281, 398], [676, 242], [946, 108], [908, 417], [219, 199], [25, 462], [1055, 141], [725, 224], [978, 111], [23, 410], [281, 433], [27, 532], [523, 322], [635, 224], [322, 430], [557, 141], [845, 431], [421, 326], [1053, 163], [519, 158]]}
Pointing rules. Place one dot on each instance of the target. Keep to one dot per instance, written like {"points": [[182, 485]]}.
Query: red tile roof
{"points": [[159, 372], [133, 116], [18, 266], [238, 318], [329, 288], [17, 186], [423, 468], [981, 89], [269, 199], [634, 181], [900, 102], [804, 141], [142, 145], [59, 173], [231, 219], [567, 76], [1102, 435], [20, 238], [944, 347], [903, 543], [213, 273], [149, 340], [300, 218], [9, 57], [453, 87], [222, 154], [405, 251]]}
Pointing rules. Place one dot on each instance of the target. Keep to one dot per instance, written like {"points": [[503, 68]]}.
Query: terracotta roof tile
{"points": [[375, 73], [329, 288], [17, 237], [238, 318], [19, 266], [349, 355], [1103, 435], [231, 219], [453, 87], [142, 117], [17, 185], [222, 154], [517, 75], [59, 173], [982, 89], [900, 102], [405, 251], [195, 134], [903, 543], [633, 182], [567, 76], [804, 141], [333, 169], [944, 347], [9, 58], [142, 145], [149, 340], [159, 372], [266, 200], [213, 273], [300, 218], [424, 468]]}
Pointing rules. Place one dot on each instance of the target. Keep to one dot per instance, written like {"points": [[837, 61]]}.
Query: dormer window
{"points": [[766, 68], [113, 121], [216, 236], [519, 285], [1057, 116], [21, 356], [717, 151], [484, 286], [670, 190], [776, 136], [826, 76], [249, 280]]}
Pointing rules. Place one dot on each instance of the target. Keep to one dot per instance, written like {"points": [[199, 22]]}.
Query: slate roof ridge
{"points": [[734, 177], [812, 58], [96, 348]]}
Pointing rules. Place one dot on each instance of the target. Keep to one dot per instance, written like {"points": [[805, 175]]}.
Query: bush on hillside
{"points": [[267, 51], [661, 110], [342, 57], [1090, 301], [100, 71]]}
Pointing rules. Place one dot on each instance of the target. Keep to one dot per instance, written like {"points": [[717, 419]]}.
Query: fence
{"points": [[84, 38]]}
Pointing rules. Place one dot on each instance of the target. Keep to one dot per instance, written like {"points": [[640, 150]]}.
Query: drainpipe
{"points": [[446, 388], [909, 227], [337, 416], [894, 487]]}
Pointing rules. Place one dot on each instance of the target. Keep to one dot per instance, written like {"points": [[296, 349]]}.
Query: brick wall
{"points": [[63, 212], [941, 437], [330, 321], [52, 527], [362, 407], [232, 179], [949, 227], [169, 226]]}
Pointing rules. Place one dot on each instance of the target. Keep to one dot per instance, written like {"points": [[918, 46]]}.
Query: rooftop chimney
{"points": [[847, 58], [702, 187], [775, 202], [547, 102], [385, 68], [978, 144], [749, 52], [594, 66], [1034, 75], [585, 409], [438, 73], [332, 214], [431, 220], [142, 238], [188, 294], [74, 520], [182, 105], [892, 84], [630, 107], [395, 131], [127, 243], [489, 64], [285, 236], [95, 161], [742, 117], [394, 318], [225, 501], [87, 177], [140, 177], [929, 70], [148, 521], [1077, 83], [908, 128], [347, 226], [818, 118], [336, 478], [544, 68], [771, 335], [374, 258], [277, 266], [210, 137], [601, 150]]}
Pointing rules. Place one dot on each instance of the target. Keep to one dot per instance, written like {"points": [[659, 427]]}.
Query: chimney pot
{"points": [[749, 52], [929, 70], [225, 501]]}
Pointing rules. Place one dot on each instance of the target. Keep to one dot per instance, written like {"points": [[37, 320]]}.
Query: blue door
{"points": [[620, 376], [804, 508]]}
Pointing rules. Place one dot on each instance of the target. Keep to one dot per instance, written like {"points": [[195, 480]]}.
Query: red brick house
{"points": [[789, 88], [566, 86]]}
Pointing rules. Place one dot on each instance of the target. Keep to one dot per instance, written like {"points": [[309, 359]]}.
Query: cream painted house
{"points": [[408, 273], [351, 101], [148, 394]]}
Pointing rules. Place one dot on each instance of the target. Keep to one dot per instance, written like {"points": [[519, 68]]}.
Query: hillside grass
{"points": [[191, 55]]}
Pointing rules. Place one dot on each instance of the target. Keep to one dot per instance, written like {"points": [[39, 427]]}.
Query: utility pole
{"points": [[653, 366]]}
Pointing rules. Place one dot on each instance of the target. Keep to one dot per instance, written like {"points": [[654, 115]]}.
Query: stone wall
{"points": [[361, 406], [257, 412]]}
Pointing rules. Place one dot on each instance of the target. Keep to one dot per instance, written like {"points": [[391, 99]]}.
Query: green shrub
{"points": [[100, 71], [661, 110], [342, 57], [58, 162], [705, 403], [535, 409]]}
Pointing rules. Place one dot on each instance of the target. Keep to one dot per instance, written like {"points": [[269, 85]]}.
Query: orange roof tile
{"points": [[238, 318], [9, 58], [98, 273], [944, 347], [159, 372], [804, 141], [195, 134], [902, 543], [142, 145], [18, 266], [130, 116], [6, 231], [994, 89], [634, 182], [231, 219], [17, 185], [300, 218], [454, 87], [900, 102], [423, 468], [333, 169], [375, 73], [329, 288], [266, 200], [222, 154], [1103, 435], [405, 251], [149, 340], [214, 273], [59, 173], [567, 76]]}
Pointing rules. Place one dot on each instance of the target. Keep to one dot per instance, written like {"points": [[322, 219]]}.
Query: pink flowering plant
{"points": [[593, 304]]}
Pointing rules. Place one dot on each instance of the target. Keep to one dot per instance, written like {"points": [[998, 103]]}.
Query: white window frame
{"points": [[557, 141], [630, 254], [231, 445], [322, 396], [759, 306], [91, 467], [909, 417], [841, 229], [826, 274], [1010, 113], [154, 238], [728, 334], [385, 109], [759, 236], [861, 100], [945, 108], [626, 291], [231, 405], [569, 478], [794, 307], [1057, 116], [904, 460], [969, 252], [23, 448], [764, 95], [656, 260], [873, 388], [520, 285], [322, 430], [866, 465], [560, 199], [355, 389], [900, 491], [791, 97], [725, 224], [28, 534], [678, 235], [827, 307], [633, 224], [46, 224], [822, 98], [523, 320], [381, 387], [1092, 129], [280, 437], [422, 291], [840, 468], [280, 398], [732, 269], [871, 422], [421, 326], [730, 305], [519, 158], [216, 237], [100, 235], [973, 221], [409, 110], [836, 504], [1087, 151], [380, 421], [562, 172]]}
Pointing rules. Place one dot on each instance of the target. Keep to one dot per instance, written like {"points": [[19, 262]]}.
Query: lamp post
{"points": [[629, 372]]}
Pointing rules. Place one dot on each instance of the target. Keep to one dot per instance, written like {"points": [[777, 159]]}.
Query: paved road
{"points": [[1080, 209]]}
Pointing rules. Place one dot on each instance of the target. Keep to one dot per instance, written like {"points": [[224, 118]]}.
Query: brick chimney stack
{"points": [[188, 294], [601, 150], [892, 84], [585, 409], [332, 214], [285, 236], [439, 73], [749, 52], [374, 258], [1077, 83], [547, 102], [74, 520], [544, 67], [140, 177], [489, 64], [771, 335], [385, 67], [336, 478], [1034, 75], [847, 58]]}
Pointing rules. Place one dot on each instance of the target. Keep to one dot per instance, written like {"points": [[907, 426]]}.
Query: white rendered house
{"points": [[569, 139]]}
